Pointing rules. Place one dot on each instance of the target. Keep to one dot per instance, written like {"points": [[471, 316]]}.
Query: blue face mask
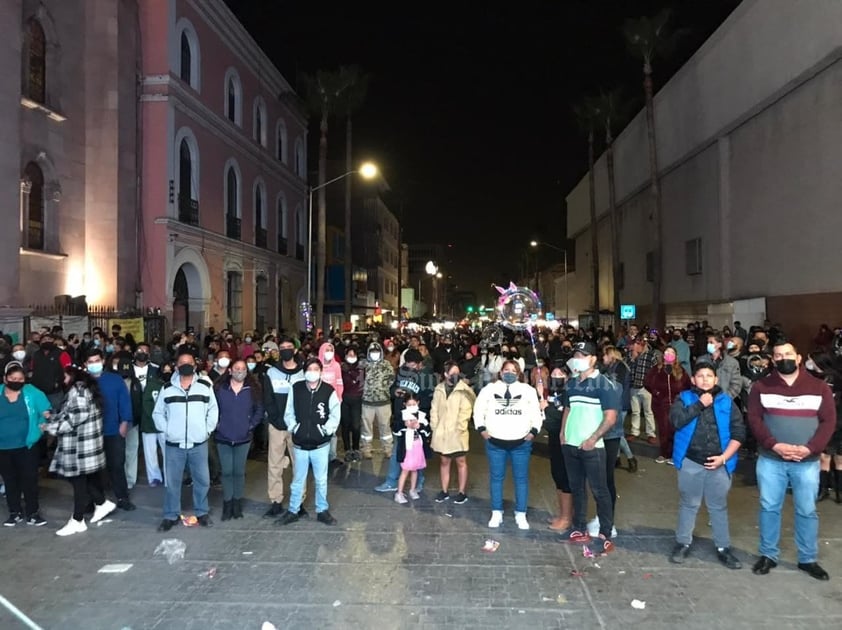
{"points": [[109, 348], [95, 368], [311, 377], [509, 377]]}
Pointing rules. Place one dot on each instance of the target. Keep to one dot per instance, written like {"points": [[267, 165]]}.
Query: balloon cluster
{"points": [[518, 308]]}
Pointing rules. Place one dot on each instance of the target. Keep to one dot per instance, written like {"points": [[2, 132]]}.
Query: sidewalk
{"points": [[391, 566]]}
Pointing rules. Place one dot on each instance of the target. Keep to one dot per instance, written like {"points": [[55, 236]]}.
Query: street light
{"points": [[566, 283], [367, 170], [433, 270]]}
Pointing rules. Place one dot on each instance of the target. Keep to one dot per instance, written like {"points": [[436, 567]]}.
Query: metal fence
{"points": [[155, 325]]}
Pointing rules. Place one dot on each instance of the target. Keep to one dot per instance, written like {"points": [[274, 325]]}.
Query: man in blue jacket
{"points": [[116, 420], [708, 432]]}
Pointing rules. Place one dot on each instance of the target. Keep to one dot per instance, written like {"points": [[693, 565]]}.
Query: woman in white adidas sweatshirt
{"points": [[508, 416]]}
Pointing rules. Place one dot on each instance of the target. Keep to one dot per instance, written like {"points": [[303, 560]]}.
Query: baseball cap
{"points": [[585, 347], [269, 346]]}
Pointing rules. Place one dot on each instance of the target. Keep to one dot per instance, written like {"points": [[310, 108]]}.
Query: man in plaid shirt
{"points": [[642, 360]]}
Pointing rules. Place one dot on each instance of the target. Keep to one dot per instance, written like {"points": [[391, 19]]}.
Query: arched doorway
{"points": [[181, 301]]}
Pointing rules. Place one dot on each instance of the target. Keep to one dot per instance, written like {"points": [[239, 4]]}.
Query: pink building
{"points": [[223, 173]]}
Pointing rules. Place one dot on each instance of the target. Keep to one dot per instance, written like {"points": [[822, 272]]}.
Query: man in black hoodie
{"points": [[281, 377], [409, 378]]}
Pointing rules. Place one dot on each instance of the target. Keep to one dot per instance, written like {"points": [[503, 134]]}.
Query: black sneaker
{"points": [[441, 497], [166, 525], [36, 520], [205, 520], [14, 519], [326, 518], [125, 504], [287, 518], [276, 509], [460, 498], [727, 558], [679, 553], [303, 513]]}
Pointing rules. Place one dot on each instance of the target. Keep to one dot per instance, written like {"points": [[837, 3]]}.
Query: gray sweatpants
{"points": [[695, 483]]}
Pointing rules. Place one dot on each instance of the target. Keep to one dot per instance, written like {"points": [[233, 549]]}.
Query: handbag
{"points": [[414, 458]]}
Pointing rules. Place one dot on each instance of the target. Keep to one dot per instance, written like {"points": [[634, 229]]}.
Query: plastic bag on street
{"points": [[172, 549]]}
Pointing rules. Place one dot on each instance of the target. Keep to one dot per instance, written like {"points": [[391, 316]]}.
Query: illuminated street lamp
{"points": [[566, 292]]}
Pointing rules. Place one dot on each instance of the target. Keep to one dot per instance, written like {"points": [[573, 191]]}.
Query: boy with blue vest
{"points": [[708, 432]]}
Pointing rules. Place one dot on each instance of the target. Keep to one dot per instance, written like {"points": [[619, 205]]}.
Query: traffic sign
{"points": [[628, 311]]}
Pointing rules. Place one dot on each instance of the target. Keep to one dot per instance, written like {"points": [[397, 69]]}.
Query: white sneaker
{"points": [[593, 529], [73, 527], [400, 497], [413, 494], [496, 518], [520, 519], [103, 510]]}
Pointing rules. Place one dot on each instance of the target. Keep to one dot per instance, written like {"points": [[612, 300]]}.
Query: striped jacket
{"points": [[186, 417], [78, 426]]}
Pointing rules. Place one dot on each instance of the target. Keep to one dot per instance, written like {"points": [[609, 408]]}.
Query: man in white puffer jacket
{"points": [[508, 416]]}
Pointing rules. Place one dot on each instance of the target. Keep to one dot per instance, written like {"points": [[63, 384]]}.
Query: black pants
{"points": [[86, 488], [612, 449], [352, 417], [214, 467], [557, 467], [19, 467], [589, 466], [115, 464]]}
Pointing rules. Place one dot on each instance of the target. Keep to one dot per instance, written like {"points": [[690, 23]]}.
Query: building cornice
{"points": [[233, 34], [186, 101]]}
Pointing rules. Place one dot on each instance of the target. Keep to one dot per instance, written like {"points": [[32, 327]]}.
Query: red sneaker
{"points": [[578, 537], [607, 546]]}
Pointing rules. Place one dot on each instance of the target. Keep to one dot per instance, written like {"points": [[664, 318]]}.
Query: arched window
{"points": [[300, 166], [37, 43], [259, 129], [186, 69], [232, 201], [282, 224], [233, 97], [188, 206], [300, 232], [281, 141], [261, 303], [260, 238], [34, 220]]}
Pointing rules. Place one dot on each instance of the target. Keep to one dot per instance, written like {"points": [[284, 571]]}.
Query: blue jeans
{"points": [[318, 459], [497, 458], [196, 460], [395, 471], [773, 477], [232, 463]]}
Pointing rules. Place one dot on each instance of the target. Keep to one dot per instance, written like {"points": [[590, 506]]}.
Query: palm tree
{"points": [[648, 38], [608, 109], [351, 100], [323, 92], [586, 116]]}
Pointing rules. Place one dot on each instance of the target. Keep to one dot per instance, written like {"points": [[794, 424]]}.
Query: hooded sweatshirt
{"points": [[379, 376], [276, 388], [332, 372]]}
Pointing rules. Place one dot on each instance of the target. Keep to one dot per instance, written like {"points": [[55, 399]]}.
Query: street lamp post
{"points": [[563, 250], [368, 170], [433, 270]]}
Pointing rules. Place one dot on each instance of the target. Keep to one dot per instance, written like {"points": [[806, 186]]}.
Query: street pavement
{"points": [[417, 566]]}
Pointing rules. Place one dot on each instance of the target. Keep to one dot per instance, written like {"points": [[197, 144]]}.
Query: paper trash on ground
{"points": [[115, 568], [637, 604]]}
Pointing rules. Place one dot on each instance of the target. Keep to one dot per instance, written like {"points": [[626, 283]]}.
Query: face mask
{"points": [[786, 366], [566, 350], [374, 356], [581, 364], [730, 345], [47, 345], [15, 386], [811, 365], [97, 342], [711, 348], [351, 360], [509, 377], [312, 377], [412, 410], [141, 357], [251, 366], [676, 337], [248, 339], [95, 368], [239, 375], [287, 354], [224, 362], [453, 379], [556, 384], [19, 355], [669, 359], [540, 364], [186, 370], [328, 357], [109, 348]]}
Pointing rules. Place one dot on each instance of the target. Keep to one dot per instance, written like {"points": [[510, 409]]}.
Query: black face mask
{"points": [[186, 370], [48, 345], [141, 357], [786, 366], [556, 384], [287, 354], [15, 386]]}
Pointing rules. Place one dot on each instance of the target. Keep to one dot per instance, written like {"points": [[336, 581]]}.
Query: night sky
{"points": [[469, 109]]}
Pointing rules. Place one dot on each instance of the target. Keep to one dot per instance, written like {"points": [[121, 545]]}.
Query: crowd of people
{"points": [[198, 407]]}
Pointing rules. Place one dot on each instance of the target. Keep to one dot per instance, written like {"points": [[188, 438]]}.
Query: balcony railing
{"points": [[260, 237], [299, 251], [282, 244], [233, 226], [188, 210]]}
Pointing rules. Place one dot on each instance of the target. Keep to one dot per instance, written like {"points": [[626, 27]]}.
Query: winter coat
{"points": [[379, 376], [664, 388], [727, 372], [80, 449], [239, 413], [332, 372], [36, 404], [186, 418], [312, 415], [449, 418], [353, 379], [154, 384], [399, 430]]}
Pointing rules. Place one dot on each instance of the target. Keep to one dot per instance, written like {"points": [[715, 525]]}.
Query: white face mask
{"points": [[351, 360], [328, 356], [19, 355], [312, 376], [374, 356], [582, 364], [809, 364], [224, 362]]}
